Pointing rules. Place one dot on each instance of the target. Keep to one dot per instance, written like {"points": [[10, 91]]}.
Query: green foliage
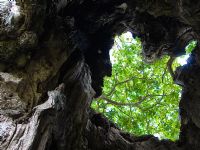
{"points": [[190, 47], [141, 98]]}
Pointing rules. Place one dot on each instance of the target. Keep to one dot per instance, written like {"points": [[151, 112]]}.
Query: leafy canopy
{"points": [[140, 98]]}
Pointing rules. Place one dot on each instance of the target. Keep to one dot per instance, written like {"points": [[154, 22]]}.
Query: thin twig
{"points": [[163, 75], [157, 103], [118, 46]]}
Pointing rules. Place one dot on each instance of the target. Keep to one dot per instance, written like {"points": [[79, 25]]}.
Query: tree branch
{"points": [[122, 82], [169, 66], [136, 104]]}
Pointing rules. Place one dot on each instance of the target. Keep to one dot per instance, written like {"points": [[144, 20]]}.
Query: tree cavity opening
{"points": [[141, 98]]}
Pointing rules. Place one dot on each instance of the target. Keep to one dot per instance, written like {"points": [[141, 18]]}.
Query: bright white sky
{"points": [[14, 10], [129, 40], [183, 59]]}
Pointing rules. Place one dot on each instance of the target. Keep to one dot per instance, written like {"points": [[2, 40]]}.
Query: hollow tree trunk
{"points": [[54, 55]]}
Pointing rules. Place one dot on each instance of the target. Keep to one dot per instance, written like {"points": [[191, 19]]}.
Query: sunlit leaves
{"points": [[190, 47], [148, 91]]}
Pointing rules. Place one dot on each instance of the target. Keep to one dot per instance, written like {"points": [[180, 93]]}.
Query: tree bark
{"points": [[54, 55]]}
